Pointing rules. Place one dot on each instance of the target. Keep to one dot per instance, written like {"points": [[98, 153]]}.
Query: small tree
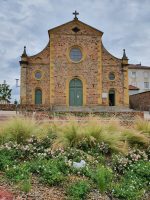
{"points": [[5, 92]]}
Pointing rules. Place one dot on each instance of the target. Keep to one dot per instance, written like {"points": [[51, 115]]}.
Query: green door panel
{"points": [[78, 96], [75, 93], [38, 96], [72, 97]]}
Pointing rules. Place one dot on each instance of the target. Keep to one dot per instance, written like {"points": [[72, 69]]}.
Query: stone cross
{"points": [[75, 14]]}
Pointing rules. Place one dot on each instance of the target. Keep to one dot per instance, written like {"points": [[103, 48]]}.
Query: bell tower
{"points": [[23, 81]]}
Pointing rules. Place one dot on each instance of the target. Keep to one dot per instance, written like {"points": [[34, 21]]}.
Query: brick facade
{"points": [[140, 101], [58, 70]]}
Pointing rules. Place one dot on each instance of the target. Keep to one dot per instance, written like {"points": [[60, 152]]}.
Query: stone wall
{"points": [[64, 69], [8, 107], [140, 101], [112, 64], [39, 62], [125, 118], [57, 69]]}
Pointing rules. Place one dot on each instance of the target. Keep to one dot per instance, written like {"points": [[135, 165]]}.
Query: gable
{"points": [[75, 27]]}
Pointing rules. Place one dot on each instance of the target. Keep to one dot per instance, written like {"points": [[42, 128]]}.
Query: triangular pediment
{"points": [[75, 26]]}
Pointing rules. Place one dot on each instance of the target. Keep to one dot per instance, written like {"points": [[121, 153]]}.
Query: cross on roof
{"points": [[75, 14]]}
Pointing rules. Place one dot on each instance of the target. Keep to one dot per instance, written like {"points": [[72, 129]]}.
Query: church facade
{"points": [[74, 69]]}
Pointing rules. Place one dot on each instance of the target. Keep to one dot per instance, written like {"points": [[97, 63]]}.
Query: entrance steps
{"points": [[90, 109]]}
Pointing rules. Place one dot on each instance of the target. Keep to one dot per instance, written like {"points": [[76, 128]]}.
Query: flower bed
{"points": [[105, 158]]}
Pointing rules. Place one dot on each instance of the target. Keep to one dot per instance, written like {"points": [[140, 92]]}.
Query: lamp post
{"points": [[17, 82], [17, 85]]}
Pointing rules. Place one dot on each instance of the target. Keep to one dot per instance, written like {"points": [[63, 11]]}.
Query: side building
{"points": [[139, 78]]}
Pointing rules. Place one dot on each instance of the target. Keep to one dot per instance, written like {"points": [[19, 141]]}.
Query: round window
{"points": [[38, 75], [111, 76], [75, 54]]}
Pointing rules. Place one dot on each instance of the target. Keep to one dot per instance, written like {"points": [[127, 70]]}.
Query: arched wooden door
{"points": [[75, 92], [38, 96]]}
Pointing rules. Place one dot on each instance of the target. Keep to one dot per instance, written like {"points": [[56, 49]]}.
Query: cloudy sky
{"points": [[125, 23]]}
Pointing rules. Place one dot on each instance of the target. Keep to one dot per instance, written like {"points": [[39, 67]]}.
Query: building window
{"points": [[75, 54], [146, 85], [145, 74], [38, 75], [111, 76], [133, 74]]}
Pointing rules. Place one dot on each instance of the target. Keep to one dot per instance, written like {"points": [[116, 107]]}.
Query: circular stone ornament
{"points": [[75, 54], [38, 75]]}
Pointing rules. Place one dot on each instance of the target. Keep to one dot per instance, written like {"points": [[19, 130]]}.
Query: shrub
{"points": [[134, 183], [68, 135], [18, 173], [18, 129], [142, 170], [143, 126], [120, 162], [134, 138], [33, 148], [128, 189], [85, 136], [25, 185], [7, 159], [78, 190], [51, 172], [103, 178]]}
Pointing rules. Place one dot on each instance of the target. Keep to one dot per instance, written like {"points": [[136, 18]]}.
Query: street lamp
{"points": [[17, 82]]}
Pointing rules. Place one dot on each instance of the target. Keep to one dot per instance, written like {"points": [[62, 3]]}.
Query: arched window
{"points": [[111, 76], [38, 96]]}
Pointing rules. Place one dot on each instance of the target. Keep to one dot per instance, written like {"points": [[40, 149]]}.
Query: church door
{"points": [[75, 92], [111, 98], [38, 96]]}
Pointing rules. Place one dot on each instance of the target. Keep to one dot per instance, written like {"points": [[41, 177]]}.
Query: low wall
{"points": [[12, 107], [8, 107], [42, 112], [140, 101], [80, 115]]}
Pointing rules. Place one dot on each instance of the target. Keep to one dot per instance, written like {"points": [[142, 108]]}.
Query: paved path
{"points": [[4, 115]]}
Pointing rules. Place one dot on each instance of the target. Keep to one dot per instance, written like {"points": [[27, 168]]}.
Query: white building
{"points": [[139, 79]]}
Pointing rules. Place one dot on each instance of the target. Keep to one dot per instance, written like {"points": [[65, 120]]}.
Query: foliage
{"points": [[18, 173], [18, 129], [7, 158], [143, 126], [78, 190], [49, 151], [5, 92], [103, 178], [120, 162], [87, 135], [51, 172], [135, 181], [25, 185], [134, 138]]}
